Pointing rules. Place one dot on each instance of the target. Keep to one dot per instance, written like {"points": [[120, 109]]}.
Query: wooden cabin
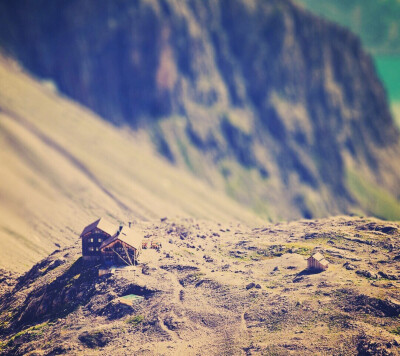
{"points": [[317, 262], [122, 249], [93, 237]]}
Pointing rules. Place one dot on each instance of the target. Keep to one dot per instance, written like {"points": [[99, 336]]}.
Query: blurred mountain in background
{"points": [[282, 110], [62, 167], [377, 23]]}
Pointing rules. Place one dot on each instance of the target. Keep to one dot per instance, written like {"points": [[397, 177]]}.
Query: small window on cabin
{"points": [[91, 239], [90, 248], [97, 248], [99, 239]]}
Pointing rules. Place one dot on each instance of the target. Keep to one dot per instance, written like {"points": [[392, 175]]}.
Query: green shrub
{"points": [[135, 320], [396, 331]]}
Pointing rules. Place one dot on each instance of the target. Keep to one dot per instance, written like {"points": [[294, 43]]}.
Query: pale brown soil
{"points": [[219, 289]]}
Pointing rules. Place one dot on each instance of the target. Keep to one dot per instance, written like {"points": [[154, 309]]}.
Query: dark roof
{"points": [[103, 225], [129, 236]]}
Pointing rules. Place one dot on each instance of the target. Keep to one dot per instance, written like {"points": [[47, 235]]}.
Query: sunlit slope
{"points": [[62, 166]]}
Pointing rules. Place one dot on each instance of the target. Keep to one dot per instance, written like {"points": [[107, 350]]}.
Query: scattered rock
{"points": [[370, 305], [250, 286], [389, 230], [94, 339], [367, 274], [237, 253], [116, 310], [55, 264], [368, 347], [349, 266], [208, 258], [172, 323], [388, 276]]}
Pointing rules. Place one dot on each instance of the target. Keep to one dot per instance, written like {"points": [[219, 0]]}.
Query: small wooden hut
{"points": [[93, 237], [122, 249], [317, 262]]}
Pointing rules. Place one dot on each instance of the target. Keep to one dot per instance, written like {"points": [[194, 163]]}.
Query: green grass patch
{"points": [[135, 320], [191, 253], [373, 198], [29, 334], [396, 331]]}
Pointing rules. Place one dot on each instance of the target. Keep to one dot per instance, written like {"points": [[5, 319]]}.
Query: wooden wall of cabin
{"points": [[312, 263], [116, 254], [91, 243]]}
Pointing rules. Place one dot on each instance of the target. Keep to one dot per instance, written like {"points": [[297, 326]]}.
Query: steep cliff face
{"points": [[374, 21], [282, 109]]}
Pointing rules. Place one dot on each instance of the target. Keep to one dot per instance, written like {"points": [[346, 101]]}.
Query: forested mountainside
{"points": [[281, 109]]}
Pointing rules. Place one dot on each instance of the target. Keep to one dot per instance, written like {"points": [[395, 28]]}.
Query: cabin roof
{"points": [[324, 262], [103, 225], [320, 258], [132, 237]]}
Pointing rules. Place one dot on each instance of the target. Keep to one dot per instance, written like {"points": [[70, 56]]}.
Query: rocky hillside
{"points": [[280, 109], [62, 166], [216, 289]]}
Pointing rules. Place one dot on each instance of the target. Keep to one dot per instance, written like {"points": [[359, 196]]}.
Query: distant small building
{"points": [[317, 262], [93, 237], [122, 249]]}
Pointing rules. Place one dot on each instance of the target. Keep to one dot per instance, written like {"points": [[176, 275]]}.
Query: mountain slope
{"points": [[62, 166], [282, 110], [217, 289], [376, 22]]}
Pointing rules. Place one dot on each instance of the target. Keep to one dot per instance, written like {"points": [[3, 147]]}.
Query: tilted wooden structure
{"points": [[317, 262]]}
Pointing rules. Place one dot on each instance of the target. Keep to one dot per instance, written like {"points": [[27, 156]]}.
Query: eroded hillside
{"points": [[282, 110], [215, 289]]}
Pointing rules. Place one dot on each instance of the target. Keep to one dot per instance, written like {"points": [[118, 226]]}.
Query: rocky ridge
{"points": [[217, 289]]}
